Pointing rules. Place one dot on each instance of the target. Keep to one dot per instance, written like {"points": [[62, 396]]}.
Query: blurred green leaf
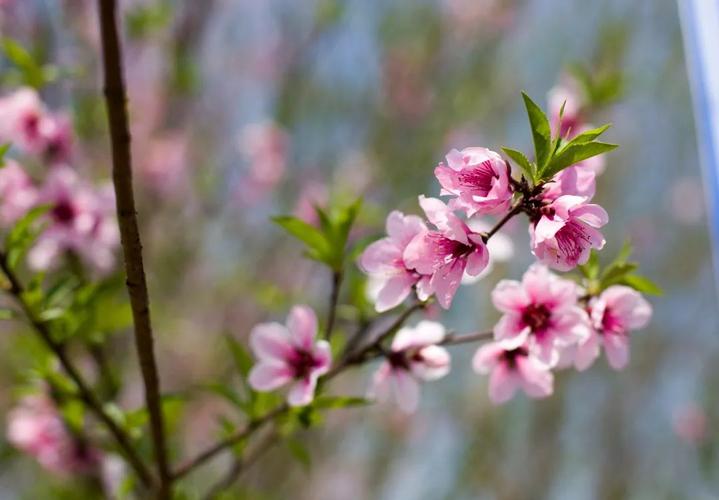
{"points": [[642, 284], [334, 402], [300, 452], [145, 20], [31, 72]]}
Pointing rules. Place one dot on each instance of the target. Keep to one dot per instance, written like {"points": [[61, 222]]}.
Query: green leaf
{"points": [[616, 271], [22, 235], [573, 153], [31, 72], [642, 284], [242, 359], [306, 233], [590, 135], [541, 132], [590, 270], [529, 169], [4, 148]]}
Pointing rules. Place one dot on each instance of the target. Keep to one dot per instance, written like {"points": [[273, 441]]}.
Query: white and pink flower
{"points": [[36, 428], [566, 231], [17, 193], [383, 261], [445, 253], [290, 355], [80, 220], [617, 311], [414, 357], [513, 367], [540, 312], [478, 178]]}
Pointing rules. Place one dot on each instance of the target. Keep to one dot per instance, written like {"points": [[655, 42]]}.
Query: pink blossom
{"points": [[383, 260], [569, 95], [511, 367], [312, 194], [540, 312], [478, 178], [17, 193], [28, 125], [414, 357], [444, 254], [576, 180], [566, 232], [264, 145], [617, 311], [36, 428], [290, 354], [80, 220], [163, 165]]}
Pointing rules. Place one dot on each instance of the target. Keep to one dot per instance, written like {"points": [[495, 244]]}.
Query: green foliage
{"points": [[22, 235], [621, 271], [553, 154], [600, 88], [299, 452], [326, 244], [145, 20], [3, 150], [27, 70]]}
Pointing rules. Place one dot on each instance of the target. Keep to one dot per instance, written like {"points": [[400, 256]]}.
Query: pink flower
{"points": [[566, 231], [541, 312], [264, 145], [290, 355], [446, 253], [35, 427], [414, 357], [576, 180], [479, 179], [383, 260], [567, 94], [512, 367], [17, 193], [28, 125], [80, 220], [617, 311]]}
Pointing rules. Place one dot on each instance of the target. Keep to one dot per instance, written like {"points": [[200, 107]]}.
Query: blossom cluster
{"points": [[548, 322], [79, 217]]}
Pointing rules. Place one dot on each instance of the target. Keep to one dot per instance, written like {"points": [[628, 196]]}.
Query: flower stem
{"points": [[87, 396], [116, 99], [334, 300]]}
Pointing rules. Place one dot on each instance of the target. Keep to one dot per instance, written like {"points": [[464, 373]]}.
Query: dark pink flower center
{"points": [[536, 317], [510, 357], [449, 250], [611, 323], [30, 125], [63, 212], [572, 239], [303, 363], [398, 360], [479, 178]]}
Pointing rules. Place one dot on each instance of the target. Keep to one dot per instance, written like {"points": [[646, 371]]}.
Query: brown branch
{"points": [[515, 210], [115, 97], [453, 339], [86, 394], [334, 299]]}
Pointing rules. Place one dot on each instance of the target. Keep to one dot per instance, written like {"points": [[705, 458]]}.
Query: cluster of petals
{"points": [[414, 357], [446, 252], [18, 193], [566, 231], [290, 355], [613, 314], [264, 145], [478, 179], [36, 428], [28, 125], [80, 220]]}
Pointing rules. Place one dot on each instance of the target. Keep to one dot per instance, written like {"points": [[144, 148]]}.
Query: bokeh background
{"points": [[244, 109]]}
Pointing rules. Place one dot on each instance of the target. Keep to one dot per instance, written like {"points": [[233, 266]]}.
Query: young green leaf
{"points": [[522, 162], [642, 284], [541, 132], [590, 135], [571, 154]]}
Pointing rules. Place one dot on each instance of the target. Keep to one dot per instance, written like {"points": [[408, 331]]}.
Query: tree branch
{"points": [[334, 298], [17, 290], [115, 97]]}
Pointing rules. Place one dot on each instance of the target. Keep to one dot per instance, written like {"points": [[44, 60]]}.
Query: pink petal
{"points": [[442, 217], [435, 363], [424, 334], [406, 390], [446, 281], [617, 349], [269, 376], [509, 296], [487, 357], [380, 386], [394, 291], [591, 214], [302, 324], [477, 261], [302, 392], [402, 228], [322, 353], [503, 383], [271, 341], [419, 254], [587, 352], [381, 257], [536, 380]]}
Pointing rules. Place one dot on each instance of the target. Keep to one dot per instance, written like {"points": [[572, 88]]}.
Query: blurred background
{"points": [[245, 109]]}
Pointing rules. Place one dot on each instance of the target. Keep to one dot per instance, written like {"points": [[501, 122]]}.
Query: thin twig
{"points": [[515, 210], [334, 299], [116, 99], [242, 464], [247, 431], [453, 339], [86, 394]]}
